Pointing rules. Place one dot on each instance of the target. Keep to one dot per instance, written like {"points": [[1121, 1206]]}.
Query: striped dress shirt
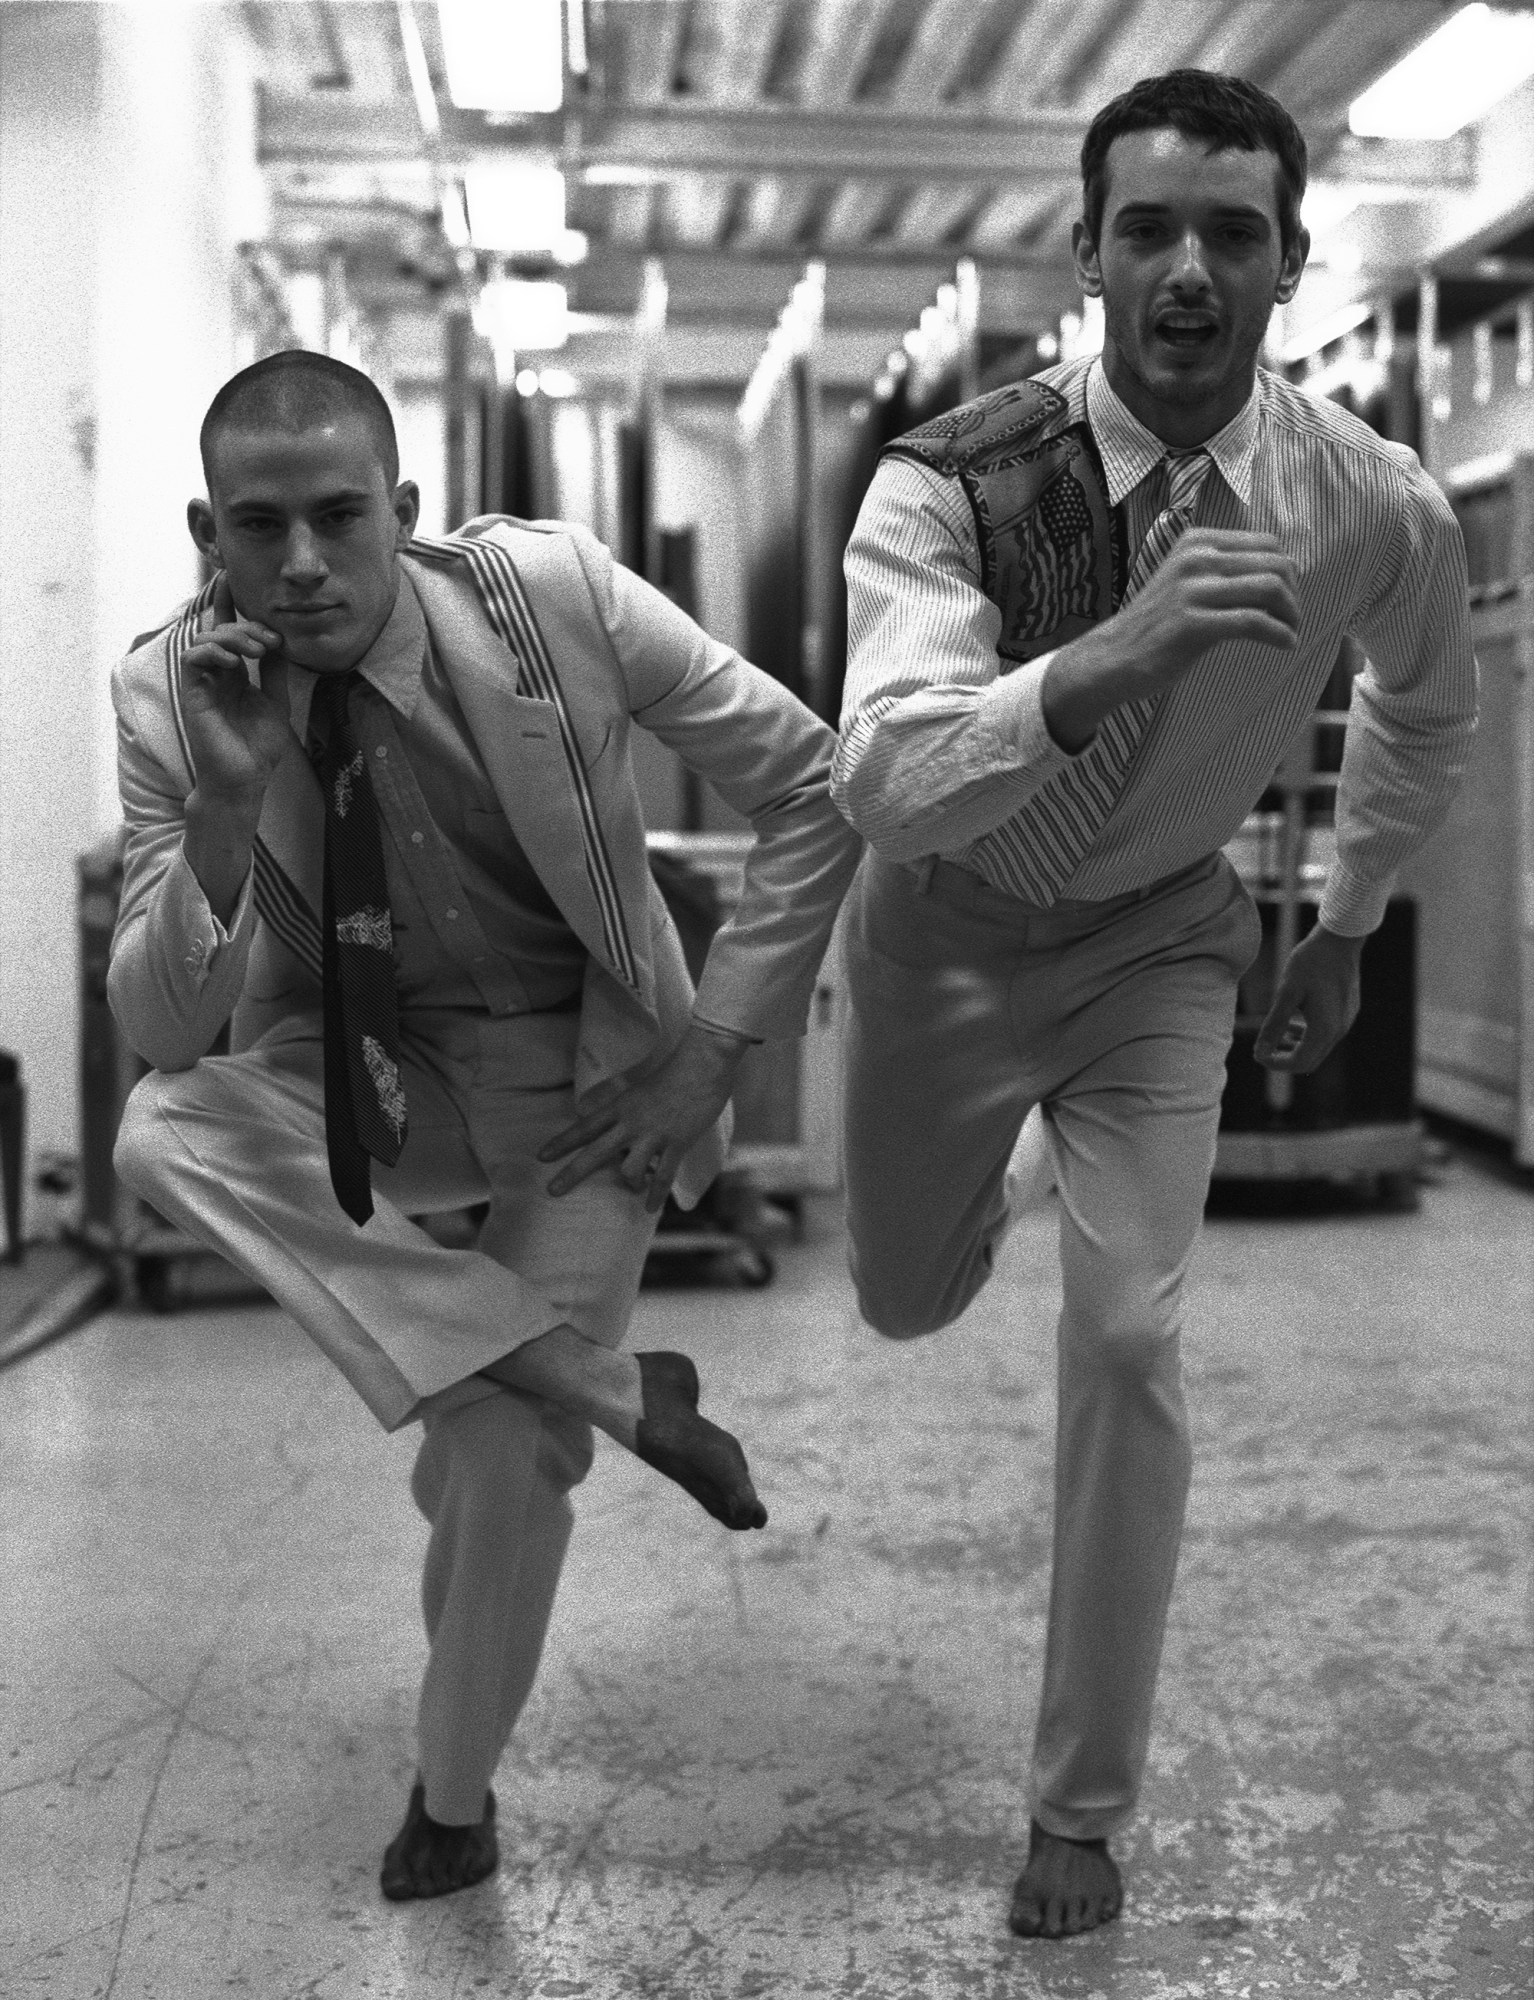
{"points": [[940, 749]]}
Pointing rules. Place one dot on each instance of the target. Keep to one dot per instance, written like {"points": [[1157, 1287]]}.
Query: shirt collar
{"points": [[392, 664], [1129, 451]]}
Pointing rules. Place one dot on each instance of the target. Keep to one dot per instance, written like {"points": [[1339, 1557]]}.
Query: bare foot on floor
{"points": [[426, 1858], [1068, 1886], [698, 1455]]}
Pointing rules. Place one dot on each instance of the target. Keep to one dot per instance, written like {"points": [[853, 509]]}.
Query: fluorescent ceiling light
{"points": [[1326, 205], [306, 309], [455, 219], [420, 75], [517, 316], [620, 174], [503, 55], [1474, 60], [515, 208]]}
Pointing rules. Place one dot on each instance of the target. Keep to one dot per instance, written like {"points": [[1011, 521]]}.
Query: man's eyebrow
{"points": [[1224, 209], [262, 504]]}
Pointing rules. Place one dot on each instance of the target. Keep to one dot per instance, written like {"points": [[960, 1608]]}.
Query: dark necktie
{"points": [[364, 1096], [1059, 823]]}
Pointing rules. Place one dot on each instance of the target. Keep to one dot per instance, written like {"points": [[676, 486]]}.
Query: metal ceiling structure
{"points": [[737, 138]]}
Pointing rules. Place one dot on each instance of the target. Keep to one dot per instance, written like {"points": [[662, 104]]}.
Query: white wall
{"points": [[127, 175], [179, 187], [48, 685]]}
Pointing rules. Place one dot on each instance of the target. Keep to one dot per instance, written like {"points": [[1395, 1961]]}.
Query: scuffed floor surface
{"points": [[792, 1764]]}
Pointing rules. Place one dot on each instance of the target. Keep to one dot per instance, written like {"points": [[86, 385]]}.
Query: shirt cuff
{"points": [[208, 936], [1350, 906], [719, 1028], [1015, 709]]}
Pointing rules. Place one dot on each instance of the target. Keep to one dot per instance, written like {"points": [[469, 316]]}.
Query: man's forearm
{"points": [[946, 765], [1082, 686], [218, 842]]}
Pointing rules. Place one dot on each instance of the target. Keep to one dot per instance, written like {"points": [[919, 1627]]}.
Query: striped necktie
{"points": [[364, 1096], [1049, 837]]}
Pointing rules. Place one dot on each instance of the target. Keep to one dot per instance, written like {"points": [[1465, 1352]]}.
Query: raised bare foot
{"points": [[698, 1455], [1068, 1886], [426, 1858]]}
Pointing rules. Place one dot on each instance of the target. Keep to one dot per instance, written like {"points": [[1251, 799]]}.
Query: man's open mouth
{"points": [[1185, 330]]}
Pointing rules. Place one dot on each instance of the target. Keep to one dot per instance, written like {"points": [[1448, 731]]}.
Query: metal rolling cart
{"points": [[1353, 1119], [786, 1141], [147, 1255]]}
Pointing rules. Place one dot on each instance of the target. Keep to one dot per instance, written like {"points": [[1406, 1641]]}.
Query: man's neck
{"points": [[1178, 425]]}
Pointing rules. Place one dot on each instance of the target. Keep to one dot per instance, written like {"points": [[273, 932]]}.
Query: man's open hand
{"points": [[645, 1125], [1314, 1005], [237, 733]]}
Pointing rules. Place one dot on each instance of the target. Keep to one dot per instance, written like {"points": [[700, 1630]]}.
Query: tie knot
{"points": [[332, 692], [1186, 472]]}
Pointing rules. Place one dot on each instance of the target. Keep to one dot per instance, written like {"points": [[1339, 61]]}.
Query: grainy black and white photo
{"points": [[766, 999]]}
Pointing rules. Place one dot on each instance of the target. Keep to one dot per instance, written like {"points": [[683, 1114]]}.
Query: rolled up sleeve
{"points": [[1413, 711], [937, 745]]}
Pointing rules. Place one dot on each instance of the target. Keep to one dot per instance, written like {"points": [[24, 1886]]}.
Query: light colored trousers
{"points": [[233, 1150], [967, 1008]]}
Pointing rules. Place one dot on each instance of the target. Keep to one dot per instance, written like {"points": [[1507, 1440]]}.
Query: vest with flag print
{"points": [[1052, 556]]}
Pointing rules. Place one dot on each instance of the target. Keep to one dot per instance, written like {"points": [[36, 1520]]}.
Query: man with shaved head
{"points": [[1088, 614], [383, 826]]}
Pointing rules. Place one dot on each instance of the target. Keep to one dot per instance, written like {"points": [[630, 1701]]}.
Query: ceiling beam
{"points": [[663, 141], [733, 295], [669, 142], [1402, 166]]}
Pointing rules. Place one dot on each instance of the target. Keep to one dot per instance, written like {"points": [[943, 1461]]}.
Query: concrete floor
{"points": [[792, 1764]]}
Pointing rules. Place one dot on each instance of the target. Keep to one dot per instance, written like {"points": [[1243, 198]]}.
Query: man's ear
{"points": [[1088, 271], [1292, 269], [199, 519], [406, 504]]}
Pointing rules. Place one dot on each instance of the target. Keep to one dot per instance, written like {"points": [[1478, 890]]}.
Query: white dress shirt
{"points": [[939, 748]]}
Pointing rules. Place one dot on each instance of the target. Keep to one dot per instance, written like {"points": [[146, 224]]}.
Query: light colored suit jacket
{"points": [[554, 653]]}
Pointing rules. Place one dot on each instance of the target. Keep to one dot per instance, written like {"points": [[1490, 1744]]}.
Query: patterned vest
{"points": [[1052, 556]]}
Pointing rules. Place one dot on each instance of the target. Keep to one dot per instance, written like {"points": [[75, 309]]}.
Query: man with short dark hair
{"points": [[1088, 613], [382, 822]]}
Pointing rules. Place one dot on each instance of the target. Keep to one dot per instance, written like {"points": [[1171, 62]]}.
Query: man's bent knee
{"points": [[903, 1314], [138, 1158], [904, 1300]]}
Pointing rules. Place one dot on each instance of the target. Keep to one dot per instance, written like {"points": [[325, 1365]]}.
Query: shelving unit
{"points": [[1353, 1118], [1474, 881]]}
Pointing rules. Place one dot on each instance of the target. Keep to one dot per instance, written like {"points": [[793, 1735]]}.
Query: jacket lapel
{"points": [[527, 748]]}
